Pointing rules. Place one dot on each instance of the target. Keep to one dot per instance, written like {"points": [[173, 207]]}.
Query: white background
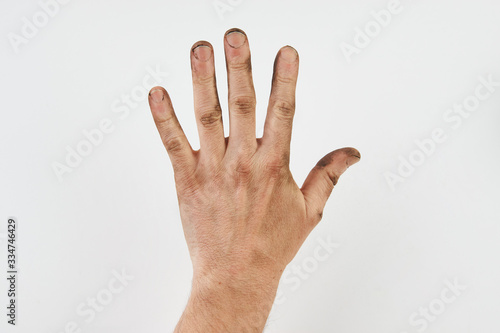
{"points": [[396, 247]]}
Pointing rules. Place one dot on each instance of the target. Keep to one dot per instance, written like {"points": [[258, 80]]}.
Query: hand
{"points": [[243, 215]]}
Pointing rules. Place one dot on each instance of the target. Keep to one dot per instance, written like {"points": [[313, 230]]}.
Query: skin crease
{"points": [[243, 215]]}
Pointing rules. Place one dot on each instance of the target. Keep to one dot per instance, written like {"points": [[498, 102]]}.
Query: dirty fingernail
{"points": [[202, 52], [353, 159], [157, 95], [235, 38]]}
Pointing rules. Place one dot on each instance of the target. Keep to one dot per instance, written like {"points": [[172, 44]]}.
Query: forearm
{"points": [[229, 306]]}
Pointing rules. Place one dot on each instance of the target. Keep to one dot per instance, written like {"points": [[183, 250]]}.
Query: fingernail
{"points": [[236, 38], [157, 95], [353, 159], [202, 52], [289, 54]]}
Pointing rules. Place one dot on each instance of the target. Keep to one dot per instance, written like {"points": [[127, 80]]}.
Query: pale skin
{"points": [[243, 215]]}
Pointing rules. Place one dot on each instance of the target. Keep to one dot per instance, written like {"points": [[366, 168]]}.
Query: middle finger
{"points": [[241, 90]]}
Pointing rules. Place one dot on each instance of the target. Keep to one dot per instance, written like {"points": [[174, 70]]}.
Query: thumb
{"points": [[322, 179]]}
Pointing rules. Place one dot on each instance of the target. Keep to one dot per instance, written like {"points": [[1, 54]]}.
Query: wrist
{"points": [[230, 302]]}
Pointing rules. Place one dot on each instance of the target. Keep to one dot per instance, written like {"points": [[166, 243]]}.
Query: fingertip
{"points": [[157, 94], [159, 103], [201, 43], [234, 30], [353, 156], [340, 159], [288, 53], [202, 50], [155, 88], [235, 38]]}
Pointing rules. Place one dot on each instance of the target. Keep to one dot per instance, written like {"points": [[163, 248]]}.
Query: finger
{"points": [[241, 90], [206, 102], [278, 125], [322, 179], [173, 138]]}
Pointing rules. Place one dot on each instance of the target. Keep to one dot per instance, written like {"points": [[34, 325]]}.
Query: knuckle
{"points": [[274, 170], [211, 118], [165, 120], [284, 109], [283, 80], [186, 185], [240, 66], [243, 168], [276, 164], [204, 80], [174, 144], [241, 171], [243, 104], [333, 177]]}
